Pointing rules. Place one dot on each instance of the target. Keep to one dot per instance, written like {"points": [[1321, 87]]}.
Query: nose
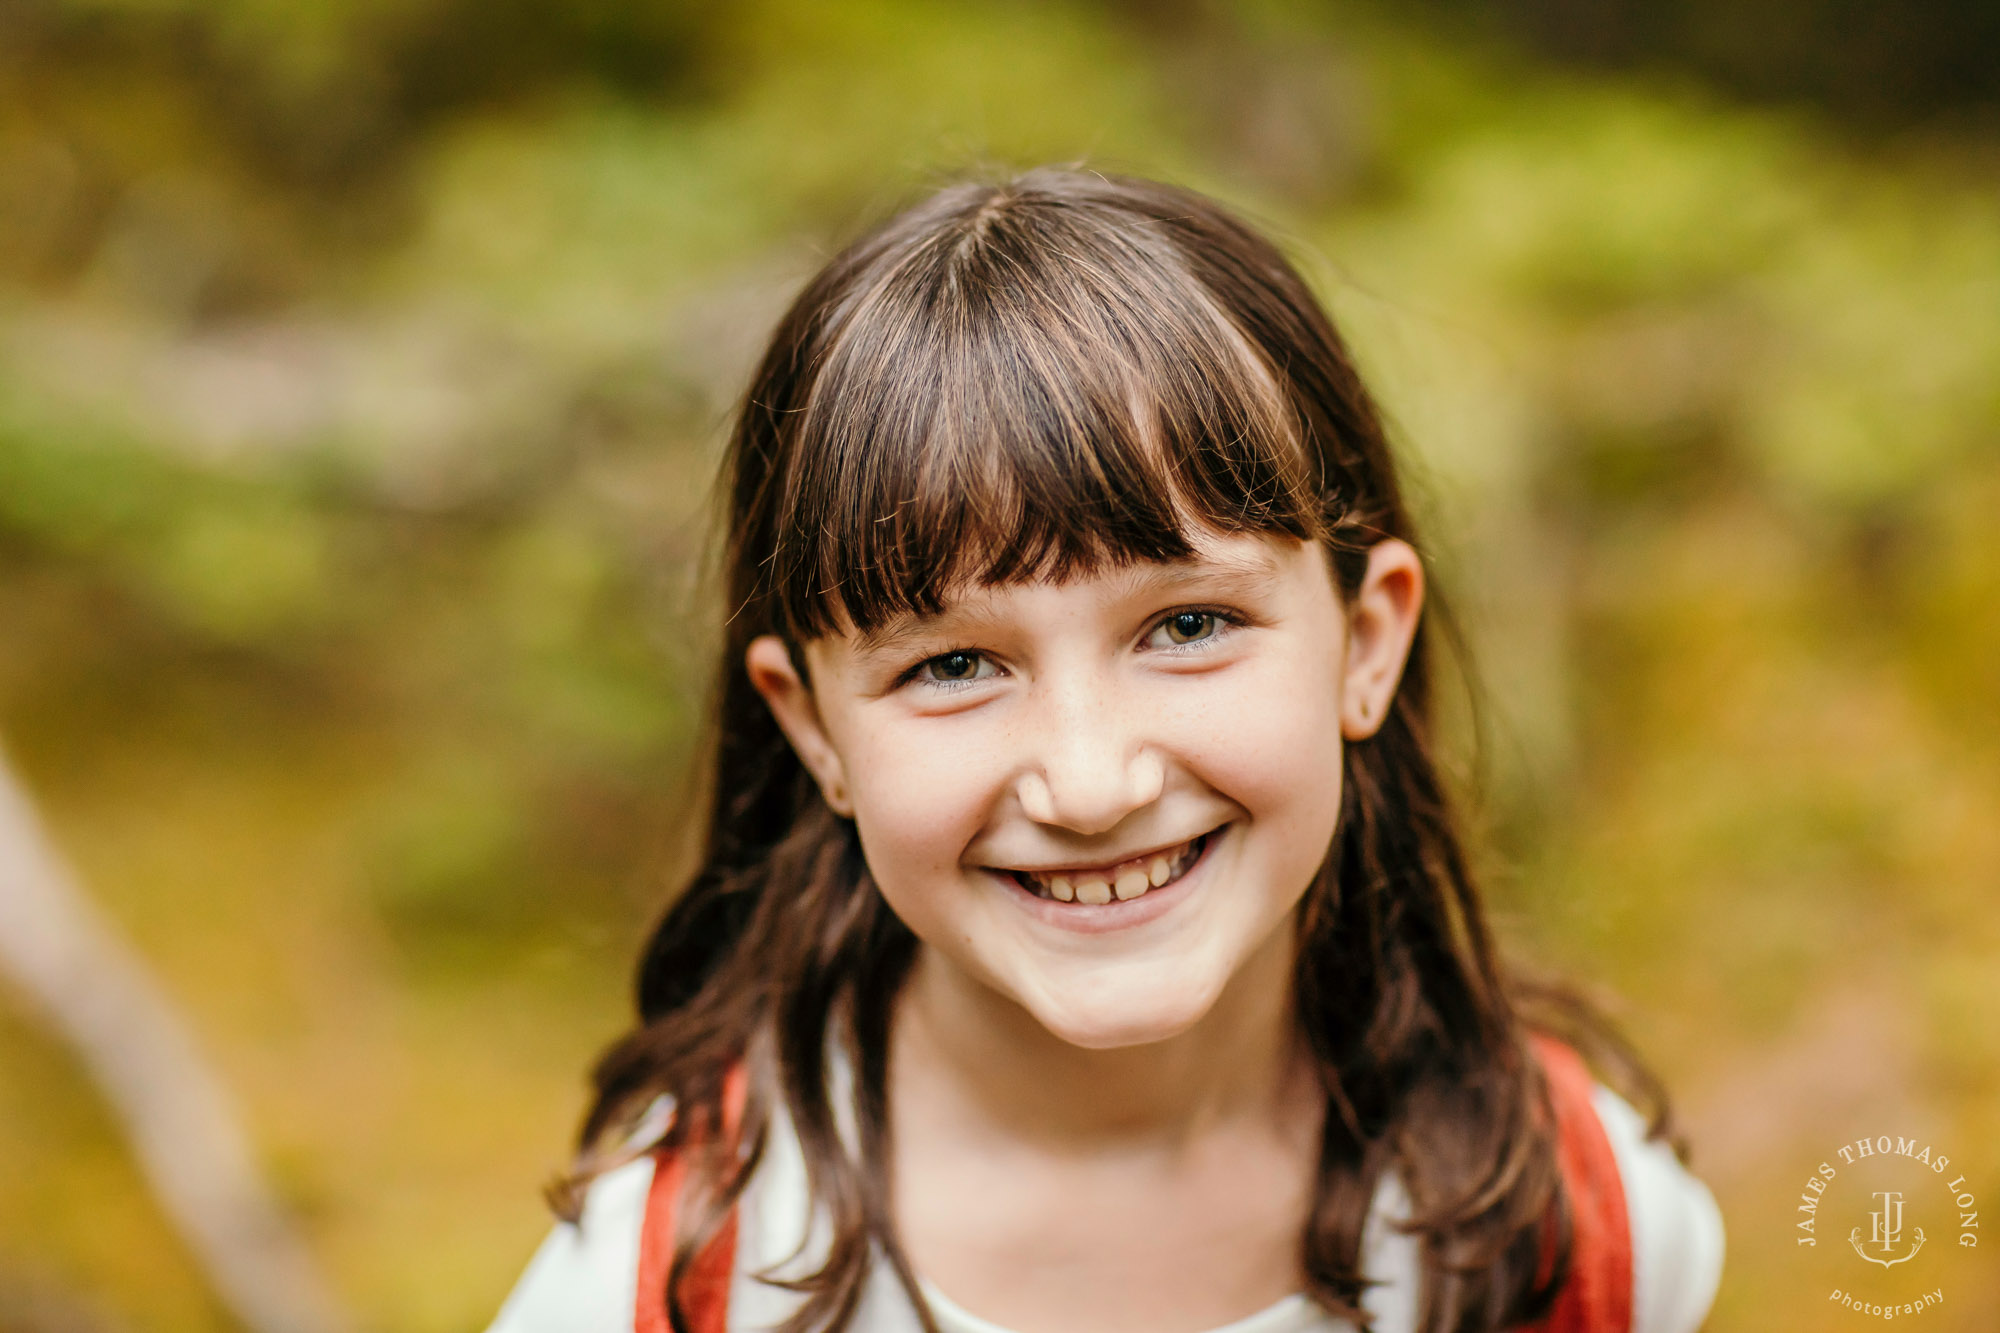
{"points": [[1088, 763]]}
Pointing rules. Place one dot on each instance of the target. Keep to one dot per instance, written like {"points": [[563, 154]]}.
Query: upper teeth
{"points": [[1124, 881]]}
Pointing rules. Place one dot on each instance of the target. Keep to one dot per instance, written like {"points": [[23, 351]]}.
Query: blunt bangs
{"points": [[1024, 389]]}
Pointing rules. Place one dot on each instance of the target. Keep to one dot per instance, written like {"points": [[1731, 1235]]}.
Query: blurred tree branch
{"points": [[97, 994]]}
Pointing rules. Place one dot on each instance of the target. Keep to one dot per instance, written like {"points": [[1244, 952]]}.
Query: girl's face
{"points": [[1103, 797]]}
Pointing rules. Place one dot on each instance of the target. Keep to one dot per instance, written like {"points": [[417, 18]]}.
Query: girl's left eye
{"points": [[1184, 628]]}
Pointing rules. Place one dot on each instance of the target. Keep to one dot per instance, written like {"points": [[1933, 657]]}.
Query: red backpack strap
{"points": [[1597, 1298], [705, 1293]]}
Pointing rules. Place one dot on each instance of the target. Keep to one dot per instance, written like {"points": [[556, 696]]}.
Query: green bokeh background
{"points": [[363, 366]]}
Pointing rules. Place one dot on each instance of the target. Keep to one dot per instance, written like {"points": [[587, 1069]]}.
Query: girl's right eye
{"points": [[954, 668]]}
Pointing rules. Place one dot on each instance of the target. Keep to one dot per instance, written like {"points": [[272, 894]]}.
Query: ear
{"points": [[1381, 624], [790, 698]]}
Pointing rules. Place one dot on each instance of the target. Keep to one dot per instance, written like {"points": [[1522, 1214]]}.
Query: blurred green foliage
{"points": [[362, 371]]}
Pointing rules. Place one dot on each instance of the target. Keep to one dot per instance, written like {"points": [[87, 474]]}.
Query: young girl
{"points": [[1081, 940]]}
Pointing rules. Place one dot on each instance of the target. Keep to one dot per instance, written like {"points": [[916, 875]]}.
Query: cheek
{"points": [[918, 802], [1272, 745]]}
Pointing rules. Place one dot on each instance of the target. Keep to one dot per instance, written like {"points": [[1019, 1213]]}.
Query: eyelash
{"points": [[1225, 621]]}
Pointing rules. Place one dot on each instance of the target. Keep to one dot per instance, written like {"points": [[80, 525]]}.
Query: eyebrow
{"points": [[1245, 575], [908, 628], [1236, 576]]}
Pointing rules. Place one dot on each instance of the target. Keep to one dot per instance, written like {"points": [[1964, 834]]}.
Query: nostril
{"points": [[1149, 778], [1089, 788], [1037, 801]]}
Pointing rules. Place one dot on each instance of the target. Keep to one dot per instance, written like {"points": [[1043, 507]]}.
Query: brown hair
{"points": [[1023, 380]]}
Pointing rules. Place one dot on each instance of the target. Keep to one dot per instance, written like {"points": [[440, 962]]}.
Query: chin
{"points": [[1125, 1024]]}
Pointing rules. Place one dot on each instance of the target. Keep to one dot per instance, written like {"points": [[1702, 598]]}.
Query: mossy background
{"points": [[363, 366]]}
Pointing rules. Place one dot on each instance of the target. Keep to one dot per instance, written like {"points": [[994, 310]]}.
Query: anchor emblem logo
{"points": [[1886, 1230]]}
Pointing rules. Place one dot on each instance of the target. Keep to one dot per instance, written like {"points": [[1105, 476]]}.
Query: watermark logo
{"points": [[1905, 1212], [1887, 1230], [1862, 1305]]}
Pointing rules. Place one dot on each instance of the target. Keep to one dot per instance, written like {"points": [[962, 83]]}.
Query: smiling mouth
{"points": [[1096, 886]]}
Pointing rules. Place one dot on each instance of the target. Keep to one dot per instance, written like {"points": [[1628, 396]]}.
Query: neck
{"points": [[960, 1049]]}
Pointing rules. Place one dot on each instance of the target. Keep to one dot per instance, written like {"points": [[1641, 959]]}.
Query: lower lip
{"points": [[1116, 914]]}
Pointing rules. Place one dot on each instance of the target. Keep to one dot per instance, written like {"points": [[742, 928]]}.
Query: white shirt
{"points": [[584, 1279]]}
